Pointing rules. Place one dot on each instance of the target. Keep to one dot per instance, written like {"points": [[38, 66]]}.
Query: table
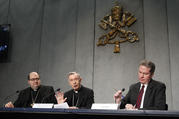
{"points": [[40, 113]]}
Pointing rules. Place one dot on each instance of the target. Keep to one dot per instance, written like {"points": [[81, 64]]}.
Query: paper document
{"points": [[63, 105]]}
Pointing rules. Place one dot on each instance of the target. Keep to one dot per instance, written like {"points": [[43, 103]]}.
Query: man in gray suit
{"points": [[151, 97]]}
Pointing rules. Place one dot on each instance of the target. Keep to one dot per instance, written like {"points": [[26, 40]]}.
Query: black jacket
{"points": [[85, 97], [155, 96], [45, 95]]}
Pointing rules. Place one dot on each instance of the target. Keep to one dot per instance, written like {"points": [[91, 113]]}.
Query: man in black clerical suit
{"points": [[151, 97], [79, 96], [36, 93]]}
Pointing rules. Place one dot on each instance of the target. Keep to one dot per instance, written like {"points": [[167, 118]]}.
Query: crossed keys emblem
{"points": [[117, 21]]}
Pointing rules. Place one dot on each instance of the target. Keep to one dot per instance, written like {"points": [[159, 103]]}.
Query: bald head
{"points": [[33, 74], [34, 80]]}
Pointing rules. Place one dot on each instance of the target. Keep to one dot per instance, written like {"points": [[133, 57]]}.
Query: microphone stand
{"points": [[8, 97], [50, 95]]}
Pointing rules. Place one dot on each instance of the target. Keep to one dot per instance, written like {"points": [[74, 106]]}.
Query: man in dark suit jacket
{"points": [[83, 98], [36, 93], [79, 96], [153, 97]]}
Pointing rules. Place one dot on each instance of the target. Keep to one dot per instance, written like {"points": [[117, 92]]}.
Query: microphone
{"points": [[58, 89], [123, 89], [9, 96]]}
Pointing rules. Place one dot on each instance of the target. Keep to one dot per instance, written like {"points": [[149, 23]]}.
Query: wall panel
{"points": [[85, 41], [4, 11], [156, 41], [57, 56], [173, 32], [25, 39], [111, 71]]}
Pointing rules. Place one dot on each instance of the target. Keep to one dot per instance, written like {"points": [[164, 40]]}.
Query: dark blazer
{"points": [[86, 97], [155, 96], [46, 95]]}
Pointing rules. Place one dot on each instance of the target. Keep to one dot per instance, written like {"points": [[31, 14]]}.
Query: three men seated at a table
{"points": [[147, 94]]}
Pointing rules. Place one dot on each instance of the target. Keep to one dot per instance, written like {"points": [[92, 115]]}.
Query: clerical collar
{"points": [[76, 91], [35, 89]]}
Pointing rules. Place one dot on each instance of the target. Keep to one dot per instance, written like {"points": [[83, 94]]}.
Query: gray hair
{"points": [[74, 73], [148, 64]]}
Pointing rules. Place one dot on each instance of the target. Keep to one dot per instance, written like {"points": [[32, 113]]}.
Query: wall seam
{"points": [[75, 40], [9, 6], [144, 29], [166, 6], [41, 33], [94, 44]]}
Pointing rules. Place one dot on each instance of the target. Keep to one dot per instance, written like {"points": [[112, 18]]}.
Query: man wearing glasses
{"points": [[36, 93]]}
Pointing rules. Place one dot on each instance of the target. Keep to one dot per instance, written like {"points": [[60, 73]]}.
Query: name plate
{"points": [[42, 105], [105, 106]]}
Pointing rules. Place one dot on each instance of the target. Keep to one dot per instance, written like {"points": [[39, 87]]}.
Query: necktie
{"points": [[139, 98]]}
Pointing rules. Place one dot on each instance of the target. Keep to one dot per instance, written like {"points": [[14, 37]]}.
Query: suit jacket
{"points": [[85, 97], [45, 95], [155, 96]]}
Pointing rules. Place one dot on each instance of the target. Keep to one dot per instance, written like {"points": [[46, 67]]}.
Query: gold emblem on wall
{"points": [[116, 22]]}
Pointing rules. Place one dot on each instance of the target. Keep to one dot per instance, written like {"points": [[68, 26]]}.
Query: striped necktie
{"points": [[139, 98]]}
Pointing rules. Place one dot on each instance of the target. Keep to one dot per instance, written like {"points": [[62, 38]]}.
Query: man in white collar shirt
{"points": [[79, 96], [147, 94]]}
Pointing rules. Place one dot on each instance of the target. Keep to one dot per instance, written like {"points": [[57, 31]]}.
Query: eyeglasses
{"points": [[34, 79]]}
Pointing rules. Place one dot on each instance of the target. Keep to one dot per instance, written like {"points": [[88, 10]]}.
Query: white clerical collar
{"points": [[76, 91]]}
